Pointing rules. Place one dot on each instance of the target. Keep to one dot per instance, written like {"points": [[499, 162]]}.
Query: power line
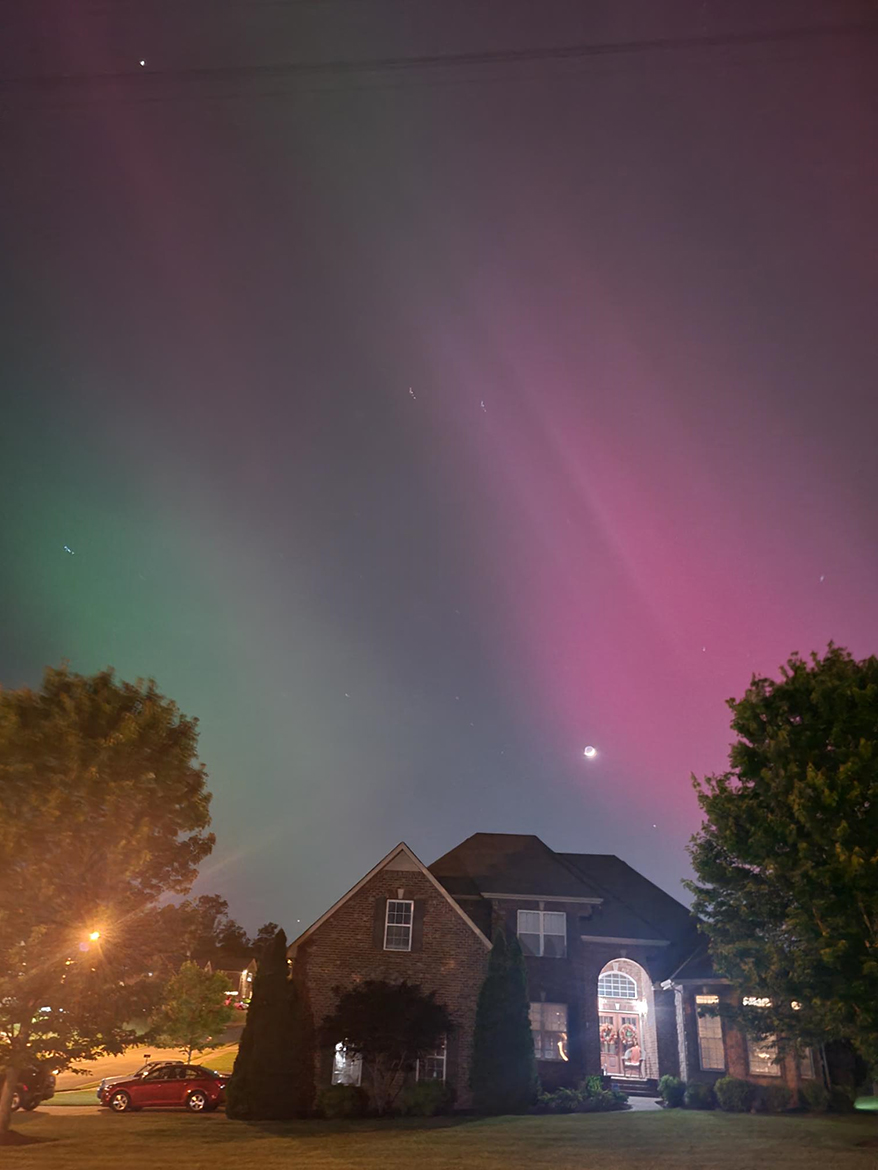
{"points": [[145, 80]]}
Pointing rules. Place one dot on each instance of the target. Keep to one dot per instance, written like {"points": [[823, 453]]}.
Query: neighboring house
{"points": [[241, 981], [616, 967]]}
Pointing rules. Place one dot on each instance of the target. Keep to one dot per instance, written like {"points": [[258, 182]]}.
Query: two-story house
{"points": [[616, 967]]}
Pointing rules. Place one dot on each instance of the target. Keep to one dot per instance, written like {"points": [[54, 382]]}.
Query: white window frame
{"points": [[765, 1068], [539, 1009], [341, 1061], [399, 925], [543, 933], [620, 975], [440, 1053], [710, 1030]]}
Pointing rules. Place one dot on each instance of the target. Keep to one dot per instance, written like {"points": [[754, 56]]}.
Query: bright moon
{"points": [[590, 752]]}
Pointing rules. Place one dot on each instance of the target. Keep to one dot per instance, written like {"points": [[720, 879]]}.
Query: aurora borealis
{"points": [[415, 433]]}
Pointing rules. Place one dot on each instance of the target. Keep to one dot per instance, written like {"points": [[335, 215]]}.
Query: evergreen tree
{"points": [[273, 1077], [503, 1077]]}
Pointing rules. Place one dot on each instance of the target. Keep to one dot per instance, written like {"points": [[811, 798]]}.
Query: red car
{"points": [[199, 1089]]}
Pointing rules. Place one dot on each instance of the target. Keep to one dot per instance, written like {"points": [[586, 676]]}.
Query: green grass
{"points": [[673, 1140], [75, 1097]]}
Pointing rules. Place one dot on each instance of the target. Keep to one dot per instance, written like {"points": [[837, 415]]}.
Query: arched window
{"points": [[616, 985]]}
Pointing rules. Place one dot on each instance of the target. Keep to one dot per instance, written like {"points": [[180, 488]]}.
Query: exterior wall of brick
{"points": [[734, 1044], [574, 981], [451, 961]]}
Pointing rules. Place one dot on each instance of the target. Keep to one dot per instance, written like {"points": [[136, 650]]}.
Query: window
{"points": [[806, 1064], [431, 1066], [347, 1067], [398, 925], [616, 985], [711, 1053], [762, 1056], [548, 1022], [543, 932]]}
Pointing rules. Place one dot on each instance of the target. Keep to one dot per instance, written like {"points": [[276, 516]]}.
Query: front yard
{"points": [[674, 1140]]}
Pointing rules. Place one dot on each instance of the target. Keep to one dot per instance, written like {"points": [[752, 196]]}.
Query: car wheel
{"points": [[120, 1102], [16, 1100], [197, 1102]]}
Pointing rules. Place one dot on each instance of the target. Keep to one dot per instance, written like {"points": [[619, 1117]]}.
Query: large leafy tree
{"points": [[503, 1076], [273, 1077], [787, 858], [103, 810], [201, 930], [194, 1010], [389, 1026]]}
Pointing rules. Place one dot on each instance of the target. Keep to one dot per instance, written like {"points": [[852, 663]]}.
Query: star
{"points": [[68, 549], [822, 576], [482, 405], [142, 64], [412, 395]]}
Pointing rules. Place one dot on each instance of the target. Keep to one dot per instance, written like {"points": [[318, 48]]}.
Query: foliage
{"points": [[841, 1100], [814, 1096], [588, 1098], [426, 1099], [787, 858], [771, 1098], [699, 1095], [503, 1076], [193, 1010], [339, 1101], [103, 809], [273, 1077], [200, 930], [733, 1094], [389, 1026], [671, 1090]]}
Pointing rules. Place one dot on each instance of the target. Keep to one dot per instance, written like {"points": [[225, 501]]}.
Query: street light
{"points": [[94, 936]]}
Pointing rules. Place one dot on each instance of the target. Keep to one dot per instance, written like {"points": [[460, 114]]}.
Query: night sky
{"points": [[416, 427]]}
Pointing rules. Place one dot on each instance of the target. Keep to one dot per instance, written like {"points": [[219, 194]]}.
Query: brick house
{"points": [[617, 969]]}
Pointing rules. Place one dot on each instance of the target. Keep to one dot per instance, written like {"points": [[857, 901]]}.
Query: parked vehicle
{"points": [[199, 1089], [35, 1084], [141, 1072]]}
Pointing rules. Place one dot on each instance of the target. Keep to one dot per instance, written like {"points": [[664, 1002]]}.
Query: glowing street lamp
{"points": [[94, 936]]}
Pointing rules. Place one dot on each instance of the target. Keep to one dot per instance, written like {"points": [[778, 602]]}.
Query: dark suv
{"points": [[35, 1084]]}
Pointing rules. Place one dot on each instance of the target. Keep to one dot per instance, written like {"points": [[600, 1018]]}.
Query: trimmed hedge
{"points": [[426, 1099], [588, 1098], [771, 1099], [671, 1090], [734, 1095], [814, 1096], [343, 1101], [699, 1096]]}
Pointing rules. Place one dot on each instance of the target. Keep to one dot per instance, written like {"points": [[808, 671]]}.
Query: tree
{"points": [[787, 858], [503, 1076], [389, 1026], [201, 930], [273, 1077], [194, 1010], [264, 936], [103, 809]]}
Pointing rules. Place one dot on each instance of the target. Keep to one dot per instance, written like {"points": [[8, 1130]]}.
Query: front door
{"points": [[620, 1033]]}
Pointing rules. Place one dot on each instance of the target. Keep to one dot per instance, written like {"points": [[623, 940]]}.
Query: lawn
{"points": [[615, 1141]]}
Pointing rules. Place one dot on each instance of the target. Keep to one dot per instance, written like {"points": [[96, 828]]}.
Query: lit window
{"points": [[548, 1022], [711, 1053], [347, 1066], [398, 925], [762, 1056], [616, 985], [756, 1001], [431, 1066], [543, 932]]}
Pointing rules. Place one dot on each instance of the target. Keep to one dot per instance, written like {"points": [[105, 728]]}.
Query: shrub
{"points": [[774, 1099], [503, 1075], [814, 1096], [734, 1095], [671, 1090], [840, 1100], [581, 1100], [343, 1101], [426, 1099], [699, 1096]]}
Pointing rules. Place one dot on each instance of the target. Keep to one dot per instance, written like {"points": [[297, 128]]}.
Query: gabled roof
{"points": [[519, 864], [400, 852], [669, 918]]}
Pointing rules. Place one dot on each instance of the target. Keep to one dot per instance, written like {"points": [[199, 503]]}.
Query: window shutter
{"points": [[378, 920], [418, 925]]}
